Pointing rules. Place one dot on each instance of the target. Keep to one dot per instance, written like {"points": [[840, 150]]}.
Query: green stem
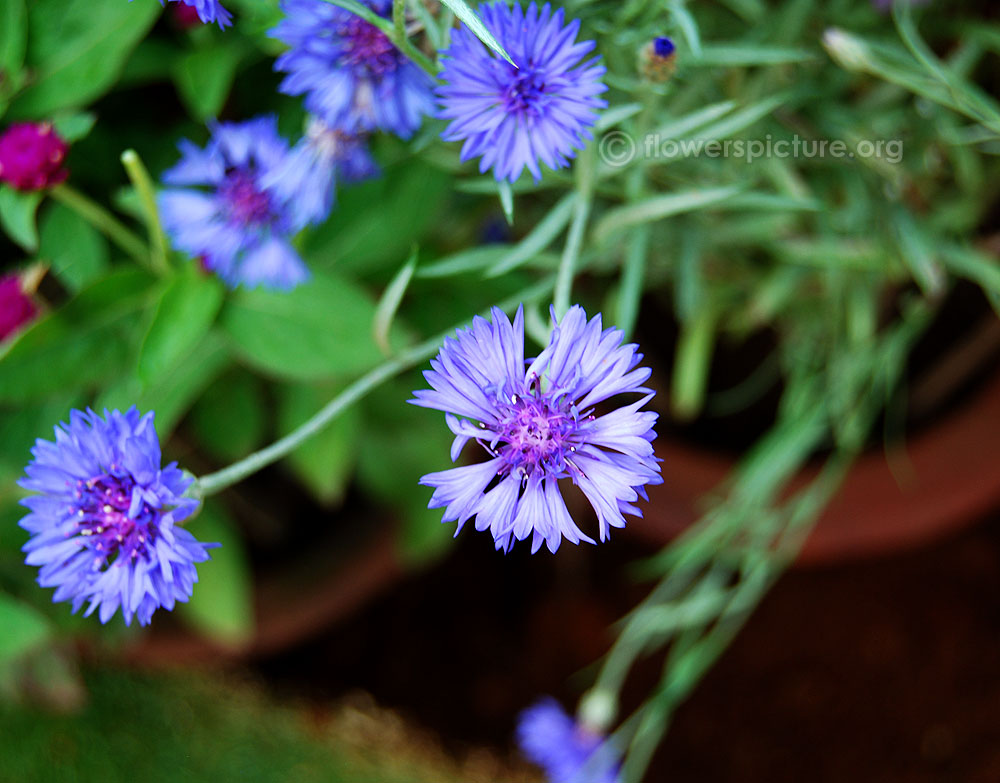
{"points": [[577, 229], [143, 185], [399, 18], [102, 220], [215, 482]]}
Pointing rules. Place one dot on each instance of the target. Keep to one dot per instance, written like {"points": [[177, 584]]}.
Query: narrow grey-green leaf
{"points": [[506, 200], [389, 304], [659, 207], [473, 22]]}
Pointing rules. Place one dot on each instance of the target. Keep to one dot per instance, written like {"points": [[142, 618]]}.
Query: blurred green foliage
{"points": [[171, 728]]}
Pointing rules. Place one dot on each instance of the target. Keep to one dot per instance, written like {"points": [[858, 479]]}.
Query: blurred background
{"points": [[824, 340]]}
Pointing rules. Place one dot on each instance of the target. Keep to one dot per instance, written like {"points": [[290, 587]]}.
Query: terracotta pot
{"points": [[941, 480]]}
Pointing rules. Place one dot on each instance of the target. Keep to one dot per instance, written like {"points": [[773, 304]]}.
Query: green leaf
{"points": [[74, 125], [506, 200], [174, 393], [88, 340], [745, 55], [319, 330], [204, 78], [185, 311], [389, 303], [24, 629], [17, 216], [76, 50], [13, 39], [659, 207], [229, 418], [19, 427], [76, 251], [324, 462], [360, 237], [221, 606], [472, 21]]}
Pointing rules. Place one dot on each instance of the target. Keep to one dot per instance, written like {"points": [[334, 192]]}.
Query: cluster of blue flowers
{"points": [[355, 82], [105, 513]]}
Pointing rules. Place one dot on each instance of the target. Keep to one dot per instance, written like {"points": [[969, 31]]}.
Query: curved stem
{"points": [[102, 220], [214, 482]]}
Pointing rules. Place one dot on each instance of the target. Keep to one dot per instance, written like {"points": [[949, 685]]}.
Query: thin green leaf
{"points": [[389, 304], [747, 55], [659, 207], [538, 239], [464, 12], [506, 200]]}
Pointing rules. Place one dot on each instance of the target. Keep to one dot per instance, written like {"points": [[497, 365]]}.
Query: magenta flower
{"points": [[31, 156], [16, 308]]}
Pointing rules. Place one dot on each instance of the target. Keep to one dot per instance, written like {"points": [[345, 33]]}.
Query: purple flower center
{"points": [[364, 45], [537, 429], [524, 91], [245, 202], [103, 505]]}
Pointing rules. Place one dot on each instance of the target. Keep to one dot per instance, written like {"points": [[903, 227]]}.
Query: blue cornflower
{"points": [[354, 78], [103, 530], [538, 426], [242, 226], [322, 158], [209, 11], [567, 751], [516, 117]]}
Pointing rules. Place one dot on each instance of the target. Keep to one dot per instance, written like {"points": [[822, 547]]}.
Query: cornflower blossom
{"points": [[518, 117], [324, 157], [567, 751], [104, 524], [536, 421], [242, 224], [32, 156], [208, 11], [354, 78]]}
